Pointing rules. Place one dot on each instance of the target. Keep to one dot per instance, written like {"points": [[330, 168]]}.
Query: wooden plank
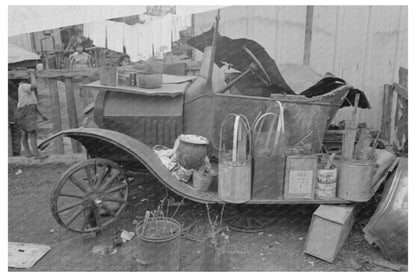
{"points": [[56, 114], [393, 118], [86, 94], [10, 148], [308, 35], [386, 115], [55, 73], [401, 90], [72, 112]]}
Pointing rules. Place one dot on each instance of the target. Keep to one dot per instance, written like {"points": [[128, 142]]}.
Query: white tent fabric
{"points": [[17, 54], [28, 19]]}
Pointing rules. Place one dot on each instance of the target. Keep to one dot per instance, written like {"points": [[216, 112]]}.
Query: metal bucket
{"points": [[108, 76], [327, 183], [158, 254], [150, 79], [234, 182], [202, 182], [354, 182]]}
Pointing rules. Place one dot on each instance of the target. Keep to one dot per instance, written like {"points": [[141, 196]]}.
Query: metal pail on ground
{"points": [[327, 183], [354, 182], [158, 254]]}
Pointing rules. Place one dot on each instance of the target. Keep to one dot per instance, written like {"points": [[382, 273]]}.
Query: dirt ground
{"points": [[277, 248]]}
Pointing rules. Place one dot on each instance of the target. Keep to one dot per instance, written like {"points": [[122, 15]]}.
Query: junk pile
{"points": [[231, 52]]}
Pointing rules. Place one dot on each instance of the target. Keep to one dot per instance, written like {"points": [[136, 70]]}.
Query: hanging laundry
{"points": [[115, 35], [96, 31], [180, 23], [162, 35], [131, 41], [145, 39]]}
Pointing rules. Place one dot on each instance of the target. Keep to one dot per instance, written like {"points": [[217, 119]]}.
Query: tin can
{"points": [[327, 184]]}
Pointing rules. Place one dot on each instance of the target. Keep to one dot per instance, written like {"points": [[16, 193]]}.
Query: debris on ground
{"points": [[389, 265], [18, 172], [25, 255], [172, 202], [355, 265], [101, 250], [127, 236]]}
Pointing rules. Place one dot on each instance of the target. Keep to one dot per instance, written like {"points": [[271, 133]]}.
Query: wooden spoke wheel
{"points": [[90, 195]]}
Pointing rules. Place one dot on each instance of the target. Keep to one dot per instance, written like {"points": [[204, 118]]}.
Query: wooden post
{"points": [[386, 116], [10, 148], [403, 76], [86, 94], [72, 112], [56, 114], [308, 35]]}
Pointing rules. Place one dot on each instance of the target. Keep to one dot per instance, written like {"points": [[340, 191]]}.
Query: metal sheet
{"points": [[388, 227]]}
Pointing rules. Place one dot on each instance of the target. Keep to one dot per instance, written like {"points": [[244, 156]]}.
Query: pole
{"points": [[214, 48]]}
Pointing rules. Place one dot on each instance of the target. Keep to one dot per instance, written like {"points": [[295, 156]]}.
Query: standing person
{"points": [[26, 116], [79, 59], [14, 128]]}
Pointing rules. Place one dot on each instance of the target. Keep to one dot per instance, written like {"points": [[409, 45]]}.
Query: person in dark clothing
{"points": [[13, 126]]}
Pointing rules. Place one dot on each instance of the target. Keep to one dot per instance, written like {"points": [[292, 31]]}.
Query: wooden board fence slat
{"points": [[308, 35], [72, 112], [56, 114], [386, 116]]}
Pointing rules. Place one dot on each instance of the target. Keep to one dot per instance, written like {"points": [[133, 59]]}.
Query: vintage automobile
{"points": [[132, 120]]}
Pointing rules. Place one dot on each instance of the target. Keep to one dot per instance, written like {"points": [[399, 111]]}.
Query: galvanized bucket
{"points": [[354, 182], [158, 254]]}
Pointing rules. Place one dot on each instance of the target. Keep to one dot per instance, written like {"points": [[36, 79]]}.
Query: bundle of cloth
{"points": [[288, 79]]}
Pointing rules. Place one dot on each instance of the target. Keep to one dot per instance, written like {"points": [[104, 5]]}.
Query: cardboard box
{"points": [[330, 227]]}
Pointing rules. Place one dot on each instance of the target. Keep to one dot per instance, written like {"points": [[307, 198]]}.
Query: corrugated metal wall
{"points": [[365, 45]]}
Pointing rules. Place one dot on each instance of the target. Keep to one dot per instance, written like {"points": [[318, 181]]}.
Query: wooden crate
{"points": [[330, 227], [300, 177]]}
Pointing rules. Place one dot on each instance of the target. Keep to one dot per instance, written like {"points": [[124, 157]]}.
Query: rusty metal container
{"points": [[326, 184], [158, 254], [191, 151], [300, 177], [150, 79], [354, 183], [108, 76]]}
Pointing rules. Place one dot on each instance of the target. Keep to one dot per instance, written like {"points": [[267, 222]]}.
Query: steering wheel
{"points": [[257, 68]]}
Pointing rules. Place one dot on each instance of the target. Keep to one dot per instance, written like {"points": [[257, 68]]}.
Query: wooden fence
{"points": [[394, 127]]}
